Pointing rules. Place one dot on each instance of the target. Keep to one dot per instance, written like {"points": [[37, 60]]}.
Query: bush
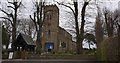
{"points": [[103, 50], [109, 49]]}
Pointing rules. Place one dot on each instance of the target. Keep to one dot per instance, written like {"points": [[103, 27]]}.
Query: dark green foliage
{"points": [[4, 54], [5, 37], [103, 50], [90, 38], [63, 45], [109, 49], [5, 42], [99, 33]]}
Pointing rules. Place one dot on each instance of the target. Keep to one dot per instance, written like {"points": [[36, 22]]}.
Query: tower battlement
{"points": [[51, 7]]}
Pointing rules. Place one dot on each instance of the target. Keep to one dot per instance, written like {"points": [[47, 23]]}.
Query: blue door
{"points": [[49, 45]]}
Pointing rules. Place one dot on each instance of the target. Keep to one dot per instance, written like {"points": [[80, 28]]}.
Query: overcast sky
{"points": [[64, 16]]}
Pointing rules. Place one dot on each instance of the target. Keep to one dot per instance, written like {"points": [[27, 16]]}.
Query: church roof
{"points": [[52, 6], [65, 31], [23, 40], [28, 39]]}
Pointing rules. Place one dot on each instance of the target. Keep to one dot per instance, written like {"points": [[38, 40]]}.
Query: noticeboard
{"points": [[49, 45]]}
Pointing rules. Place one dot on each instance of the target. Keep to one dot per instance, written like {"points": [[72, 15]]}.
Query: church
{"points": [[54, 38]]}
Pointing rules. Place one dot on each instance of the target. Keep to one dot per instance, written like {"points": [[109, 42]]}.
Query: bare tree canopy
{"points": [[37, 18], [79, 32], [12, 17]]}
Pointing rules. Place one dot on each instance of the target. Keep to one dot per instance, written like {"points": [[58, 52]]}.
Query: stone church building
{"points": [[54, 38]]}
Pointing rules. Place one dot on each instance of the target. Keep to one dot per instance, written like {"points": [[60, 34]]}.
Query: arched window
{"points": [[63, 45], [49, 17], [49, 32]]}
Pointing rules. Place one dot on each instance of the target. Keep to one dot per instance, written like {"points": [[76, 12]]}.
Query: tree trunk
{"points": [[79, 49], [14, 25], [39, 32], [81, 34], [89, 45], [79, 45], [38, 42], [13, 33], [99, 51]]}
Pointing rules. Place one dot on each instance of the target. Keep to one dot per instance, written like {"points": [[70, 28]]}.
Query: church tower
{"points": [[50, 28]]}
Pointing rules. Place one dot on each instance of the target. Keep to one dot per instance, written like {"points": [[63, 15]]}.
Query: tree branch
{"points": [[115, 18], [31, 18], [10, 7], [7, 19], [34, 21], [67, 7], [19, 4], [9, 15], [4, 12], [11, 3]]}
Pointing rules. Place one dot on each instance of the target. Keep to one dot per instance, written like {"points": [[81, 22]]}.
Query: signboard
{"points": [[49, 45]]}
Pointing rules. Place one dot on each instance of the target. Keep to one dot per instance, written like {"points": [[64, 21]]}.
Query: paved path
{"points": [[48, 61]]}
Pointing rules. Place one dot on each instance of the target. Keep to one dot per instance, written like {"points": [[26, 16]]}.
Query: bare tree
{"points": [[99, 32], [12, 16], [110, 21], [79, 32], [38, 21], [105, 27], [26, 26]]}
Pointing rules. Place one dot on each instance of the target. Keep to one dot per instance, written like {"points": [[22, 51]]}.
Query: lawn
{"points": [[85, 52]]}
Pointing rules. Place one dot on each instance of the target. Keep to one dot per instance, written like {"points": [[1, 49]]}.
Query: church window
{"points": [[49, 32], [49, 17], [63, 45]]}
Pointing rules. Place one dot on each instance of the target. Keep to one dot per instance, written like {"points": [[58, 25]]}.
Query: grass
{"points": [[72, 53], [60, 53], [91, 54], [5, 53]]}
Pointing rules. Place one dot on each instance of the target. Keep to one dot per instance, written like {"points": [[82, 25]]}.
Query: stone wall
{"points": [[73, 57], [50, 26], [20, 55], [73, 46], [52, 33], [65, 37]]}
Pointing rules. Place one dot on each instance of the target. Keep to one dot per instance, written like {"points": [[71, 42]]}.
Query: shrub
{"points": [[103, 50], [109, 49]]}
